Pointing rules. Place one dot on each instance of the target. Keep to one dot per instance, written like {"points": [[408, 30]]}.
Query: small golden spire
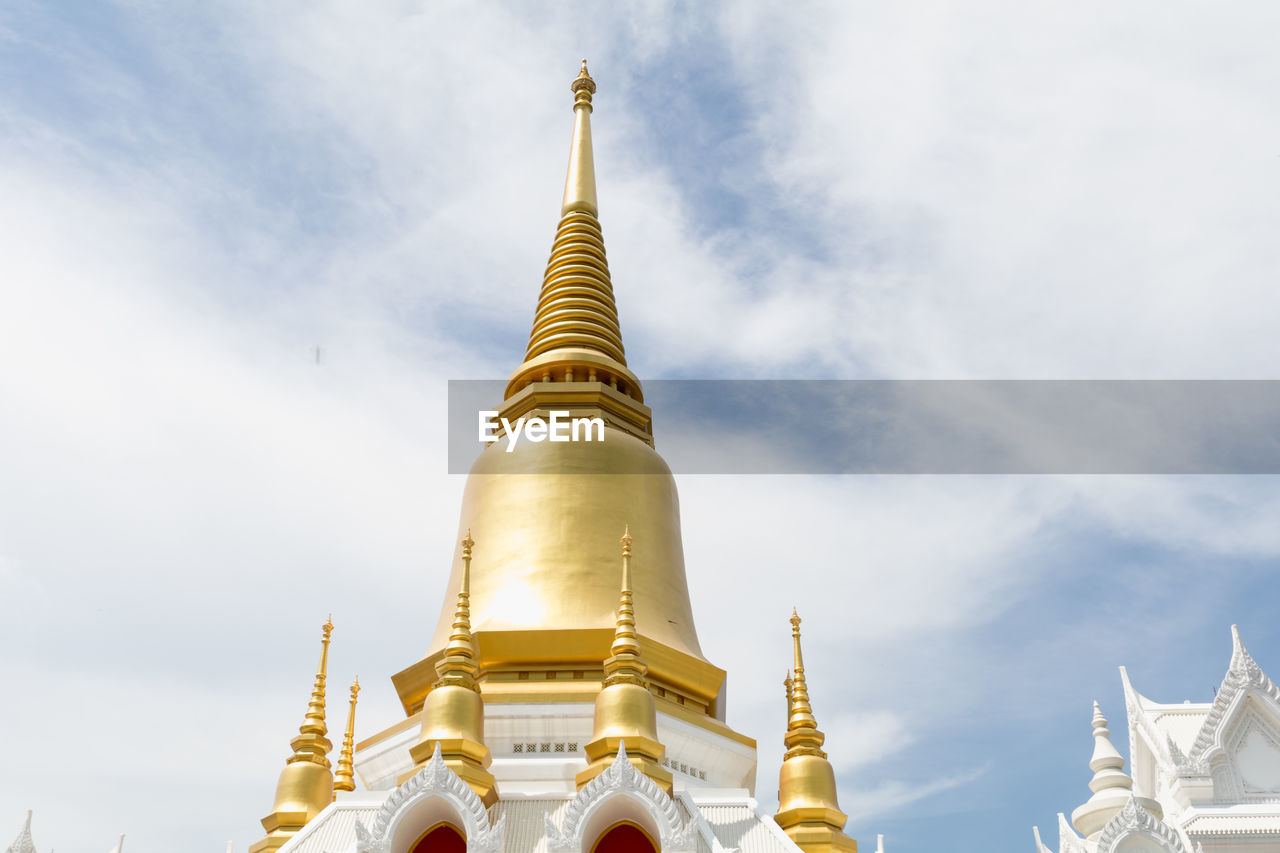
{"points": [[808, 807], [345, 777], [625, 663], [306, 782], [459, 663], [624, 708], [314, 724], [802, 728], [453, 713], [786, 683]]}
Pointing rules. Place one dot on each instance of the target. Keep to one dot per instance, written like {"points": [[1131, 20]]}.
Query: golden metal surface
{"points": [[568, 660], [540, 510], [624, 707], [453, 712], [580, 183], [802, 736], [808, 808], [344, 779], [306, 782], [576, 340]]}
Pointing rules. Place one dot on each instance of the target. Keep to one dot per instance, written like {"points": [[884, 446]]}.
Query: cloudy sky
{"points": [[246, 244]]}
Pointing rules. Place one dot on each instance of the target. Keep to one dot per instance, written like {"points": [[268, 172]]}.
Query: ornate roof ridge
{"points": [[435, 779], [1243, 674]]}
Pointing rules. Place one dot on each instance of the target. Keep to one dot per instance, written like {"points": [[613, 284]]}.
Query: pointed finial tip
{"points": [[467, 542], [327, 627], [795, 619], [583, 81], [626, 535]]}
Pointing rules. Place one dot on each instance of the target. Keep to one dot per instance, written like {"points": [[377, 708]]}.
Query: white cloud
{"points": [[893, 795], [985, 194]]}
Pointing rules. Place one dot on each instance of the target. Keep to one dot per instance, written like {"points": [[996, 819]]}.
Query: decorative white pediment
{"points": [[1133, 821], [433, 794], [1244, 679], [621, 792]]}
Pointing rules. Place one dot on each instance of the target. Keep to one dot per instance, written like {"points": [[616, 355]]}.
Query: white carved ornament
{"points": [[1142, 729], [1133, 819], [621, 779], [1184, 765], [1243, 676], [1068, 841], [433, 780], [23, 844]]}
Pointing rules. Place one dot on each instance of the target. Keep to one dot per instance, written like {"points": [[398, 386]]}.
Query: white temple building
{"points": [[1205, 775]]}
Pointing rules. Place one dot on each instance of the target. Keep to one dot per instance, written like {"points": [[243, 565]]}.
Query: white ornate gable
{"points": [[1132, 823], [1239, 742], [619, 793], [433, 795]]}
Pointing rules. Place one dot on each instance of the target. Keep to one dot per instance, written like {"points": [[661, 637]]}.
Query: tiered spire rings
{"points": [[306, 783], [345, 777], [575, 358], [453, 713], [1112, 787], [625, 709], [808, 810]]}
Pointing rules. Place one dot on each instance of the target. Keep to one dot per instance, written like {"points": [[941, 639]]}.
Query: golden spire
{"points": [[576, 308], [306, 782], [625, 663], [314, 723], [802, 728], [625, 708], [345, 778], [808, 809], [580, 182], [786, 684], [453, 713], [575, 336], [459, 663]]}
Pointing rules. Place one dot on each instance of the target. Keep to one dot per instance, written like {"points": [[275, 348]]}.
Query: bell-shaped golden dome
{"points": [[544, 591]]}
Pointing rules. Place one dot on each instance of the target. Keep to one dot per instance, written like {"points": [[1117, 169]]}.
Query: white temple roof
{"points": [[734, 823], [1180, 723], [740, 825]]}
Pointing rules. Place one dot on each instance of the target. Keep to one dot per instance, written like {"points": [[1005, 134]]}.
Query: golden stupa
{"points": [[548, 514], [564, 668]]}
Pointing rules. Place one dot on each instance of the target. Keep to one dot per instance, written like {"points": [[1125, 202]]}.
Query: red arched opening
{"points": [[624, 838], [441, 838]]}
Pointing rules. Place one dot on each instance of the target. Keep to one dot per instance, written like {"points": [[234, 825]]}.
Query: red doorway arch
{"points": [[441, 838], [624, 838]]}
